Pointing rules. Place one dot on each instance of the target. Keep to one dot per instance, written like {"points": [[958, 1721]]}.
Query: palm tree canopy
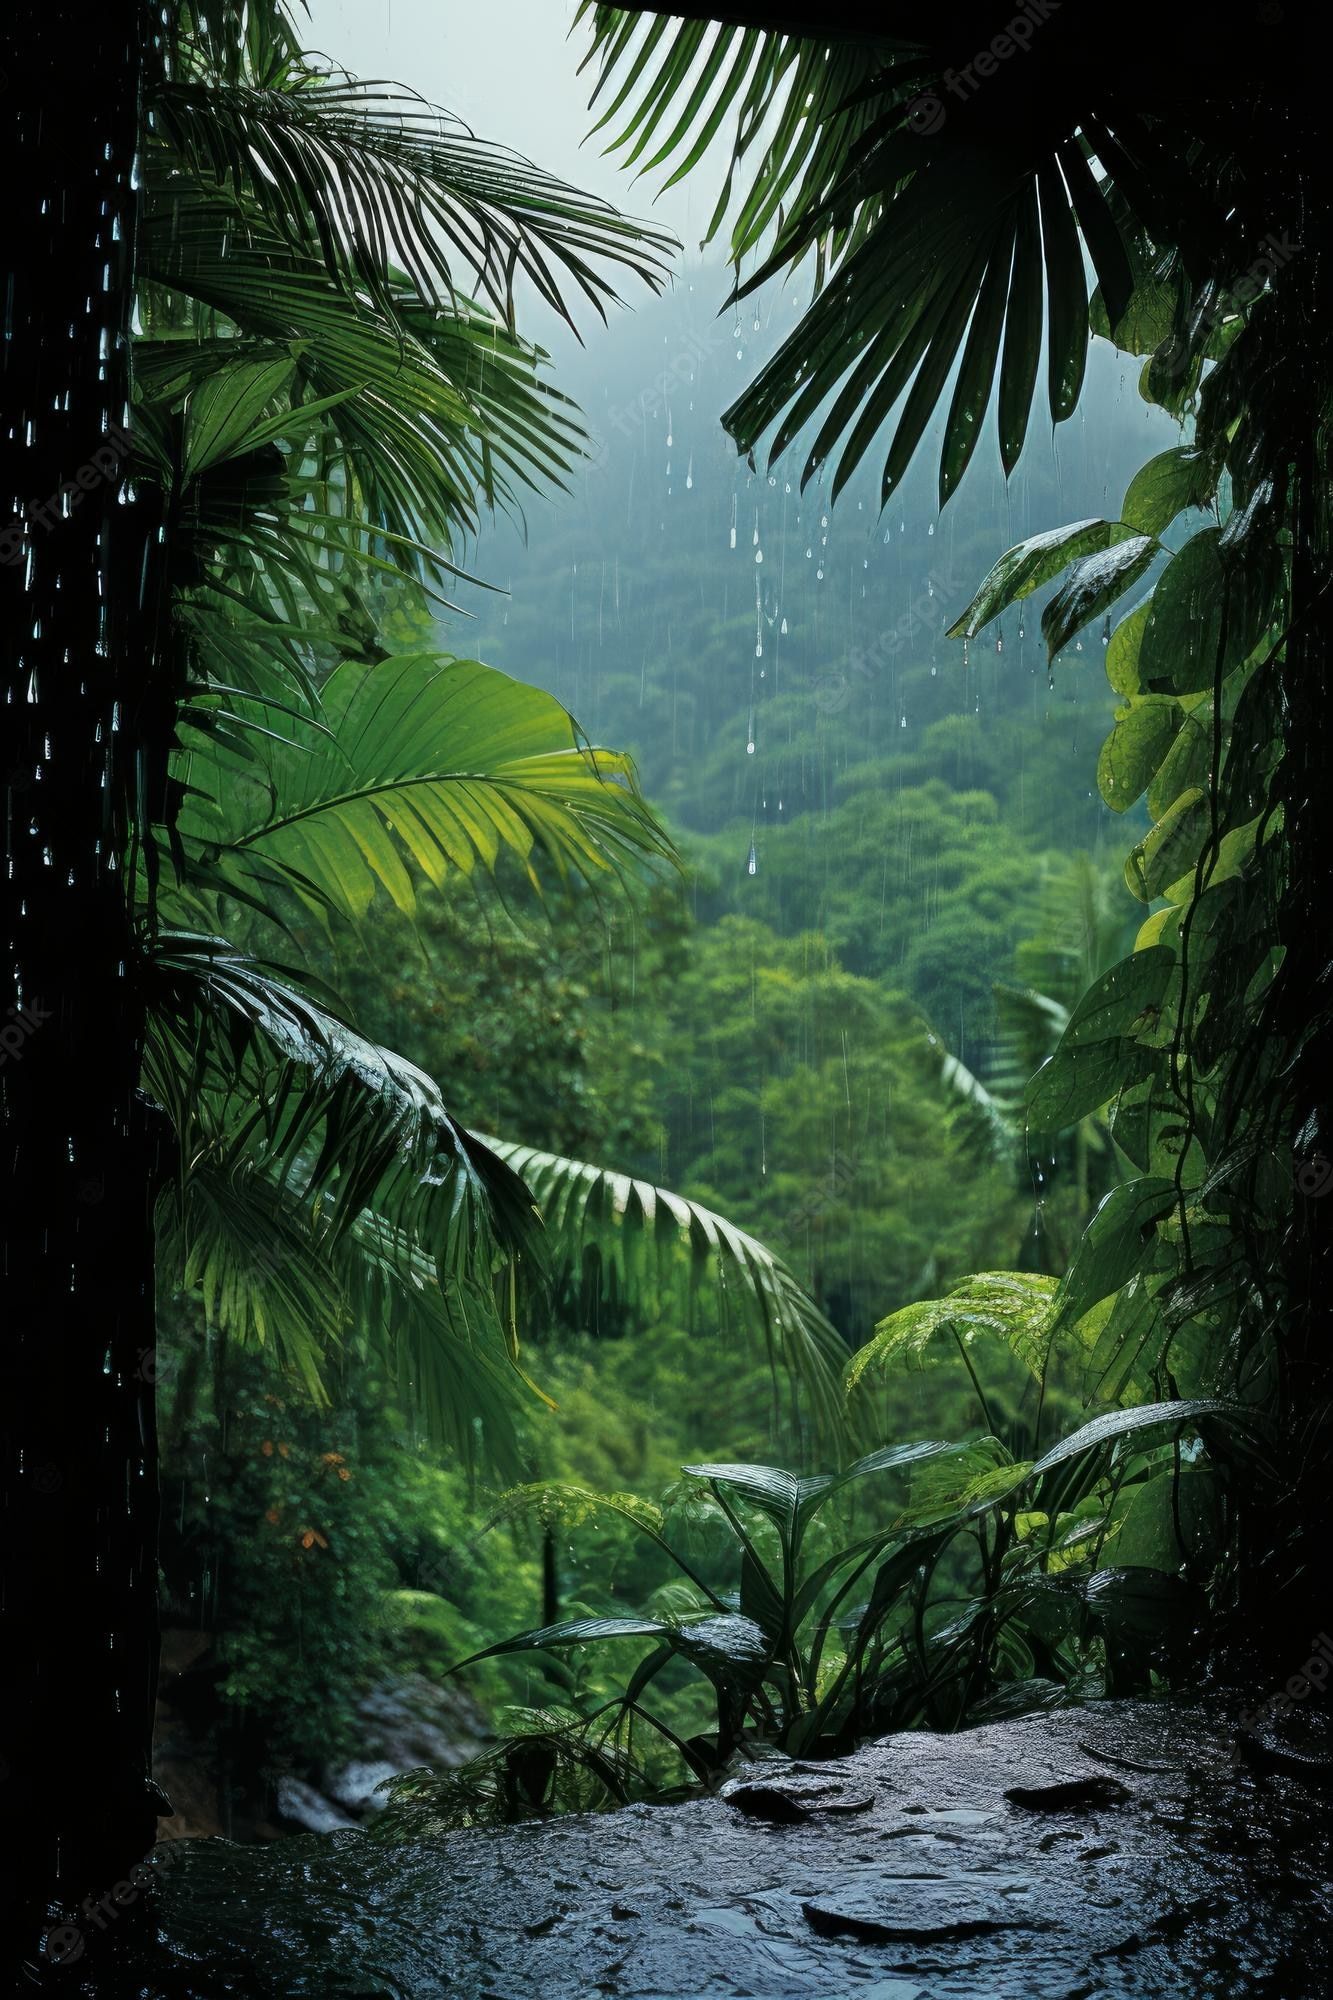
{"points": [[947, 179]]}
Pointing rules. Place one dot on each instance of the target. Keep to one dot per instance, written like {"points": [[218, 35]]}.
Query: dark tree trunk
{"points": [[80, 763]]}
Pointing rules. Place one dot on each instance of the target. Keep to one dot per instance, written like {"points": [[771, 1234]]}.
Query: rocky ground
{"points": [[402, 1725], [1078, 1855]]}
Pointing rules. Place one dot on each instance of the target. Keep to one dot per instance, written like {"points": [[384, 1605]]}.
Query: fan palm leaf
{"points": [[946, 228]]}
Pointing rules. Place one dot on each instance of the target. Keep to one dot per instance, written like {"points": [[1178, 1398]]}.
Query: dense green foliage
{"points": [[1035, 1171]]}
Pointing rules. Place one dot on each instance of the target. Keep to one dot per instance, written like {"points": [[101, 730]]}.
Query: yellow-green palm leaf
{"points": [[419, 765]]}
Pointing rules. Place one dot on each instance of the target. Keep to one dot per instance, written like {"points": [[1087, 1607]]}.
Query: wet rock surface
{"points": [[1158, 1864]]}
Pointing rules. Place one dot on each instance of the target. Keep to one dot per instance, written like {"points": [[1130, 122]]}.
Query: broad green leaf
{"points": [[1148, 1124], [1078, 1080], [1118, 1424], [890, 1458], [1166, 486], [775, 1492], [1170, 849], [1122, 655], [221, 412], [1204, 620], [1124, 1337], [1147, 320], [1188, 762], [1105, 1046], [1137, 746], [1149, 1602], [1028, 565], [1092, 586], [1170, 1518], [1233, 855], [1013, 1306], [715, 1643], [1113, 1244]]}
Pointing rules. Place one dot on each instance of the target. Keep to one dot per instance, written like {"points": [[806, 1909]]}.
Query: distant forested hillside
{"points": [[877, 819]]}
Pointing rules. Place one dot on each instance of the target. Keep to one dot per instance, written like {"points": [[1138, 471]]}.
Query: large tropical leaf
{"points": [[420, 763], [937, 224], [1015, 1307], [723, 1645], [610, 1233]]}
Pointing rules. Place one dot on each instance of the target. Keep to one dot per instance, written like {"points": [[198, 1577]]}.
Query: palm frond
{"points": [[428, 409], [990, 1113], [262, 1271], [272, 1276], [611, 1236], [366, 177], [327, 1205], [945, 240], [254, 1073], [420, 762]]}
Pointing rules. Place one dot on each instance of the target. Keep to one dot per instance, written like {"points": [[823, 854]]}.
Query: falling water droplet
{"points": [[784, 627], [931, 529], [752, 865]]}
